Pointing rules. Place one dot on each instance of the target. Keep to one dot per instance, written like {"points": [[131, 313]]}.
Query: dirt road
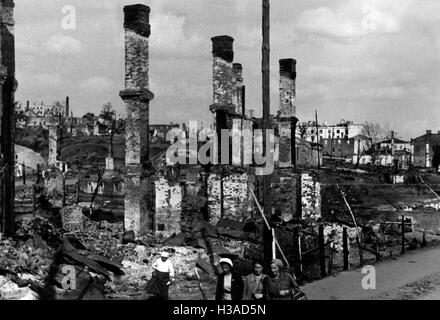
{"points": [[414, 275]]}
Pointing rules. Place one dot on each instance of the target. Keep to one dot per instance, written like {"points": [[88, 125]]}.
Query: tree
{"points": [[376, 132], [372, 130], [107, 111], [110, 124]]}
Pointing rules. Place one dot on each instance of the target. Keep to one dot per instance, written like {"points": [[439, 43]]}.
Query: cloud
{"points": [[172, 37], [324, 22], [40, 80], [331, 73], [63, 45], [96, 84]]}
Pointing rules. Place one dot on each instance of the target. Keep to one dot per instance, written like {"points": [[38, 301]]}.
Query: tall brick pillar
{"points": [[287, 112], [223, 85], [53, 145], [237, 117], [238, 92], [8, 85], [136, 96]]}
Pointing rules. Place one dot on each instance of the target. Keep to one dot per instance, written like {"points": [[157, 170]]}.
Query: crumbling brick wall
{"points": [[168, 209], [229, 196], [310, 196], [285, 195]]}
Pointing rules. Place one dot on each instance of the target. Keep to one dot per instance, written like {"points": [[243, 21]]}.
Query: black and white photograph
{"points": [[219, 157]]}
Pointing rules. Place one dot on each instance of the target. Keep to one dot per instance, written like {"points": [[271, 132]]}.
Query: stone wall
{"points": [[229, 196], [72, 218], [310, 196], [284, 190], [168, 210]]}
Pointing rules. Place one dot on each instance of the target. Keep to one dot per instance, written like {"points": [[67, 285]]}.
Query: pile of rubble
{"points": [[109, 263]]}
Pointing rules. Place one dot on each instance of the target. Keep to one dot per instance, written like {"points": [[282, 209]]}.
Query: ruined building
{"points": [[8, 86], [425, 150], [175, 198]]}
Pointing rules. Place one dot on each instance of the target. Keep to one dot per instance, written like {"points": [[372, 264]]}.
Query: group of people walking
{"points": [[278, 285]]}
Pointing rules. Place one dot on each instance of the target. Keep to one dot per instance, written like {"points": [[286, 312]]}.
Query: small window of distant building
{"points": [[338, 131]]}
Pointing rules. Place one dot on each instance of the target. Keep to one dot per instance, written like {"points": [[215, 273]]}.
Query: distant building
{"points": [[40, 114], [346, 148], [160, 130], [394, 144], [426, 150], [341, 130]]}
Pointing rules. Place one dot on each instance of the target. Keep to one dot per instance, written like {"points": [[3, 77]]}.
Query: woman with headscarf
{"points": [[280, 285], [229, 283], [253, 283], [163, 275]]}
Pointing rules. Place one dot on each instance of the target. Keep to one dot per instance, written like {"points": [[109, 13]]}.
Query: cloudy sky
{"points": [[376, 60]]}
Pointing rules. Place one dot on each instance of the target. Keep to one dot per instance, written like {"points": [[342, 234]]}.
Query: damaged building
{"points": [[178, 196]]}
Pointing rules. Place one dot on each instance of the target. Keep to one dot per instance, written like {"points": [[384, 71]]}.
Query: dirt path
{"points": [[416, 273]]}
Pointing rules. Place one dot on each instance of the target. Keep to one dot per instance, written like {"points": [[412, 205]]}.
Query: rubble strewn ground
{"points": [[35, 261]]}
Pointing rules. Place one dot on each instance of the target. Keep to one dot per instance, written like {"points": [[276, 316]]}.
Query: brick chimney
{"points": [[287, 112], [237, 98], [223, 88], [287, 88], [136, 96]]}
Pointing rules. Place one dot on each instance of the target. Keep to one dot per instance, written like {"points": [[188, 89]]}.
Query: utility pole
{"points": [[265, 66], [317, 138]]}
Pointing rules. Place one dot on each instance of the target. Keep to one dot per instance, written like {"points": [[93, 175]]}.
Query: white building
{"points": [[342, 130]]}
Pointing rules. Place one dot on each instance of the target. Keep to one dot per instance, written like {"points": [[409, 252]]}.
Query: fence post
{"points": [[403, 235], [376, 249], [330, 260], [345, 248], [296, 252], [361, 254], [300, 257], [24, 174], [423, 239], [321, 250], [38, 173]]}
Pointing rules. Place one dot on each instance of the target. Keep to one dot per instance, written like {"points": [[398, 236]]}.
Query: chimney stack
{"points": [[287, 88], [238, 93], [287, 113], [223, 55], [222, 107], [137, 96]]}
